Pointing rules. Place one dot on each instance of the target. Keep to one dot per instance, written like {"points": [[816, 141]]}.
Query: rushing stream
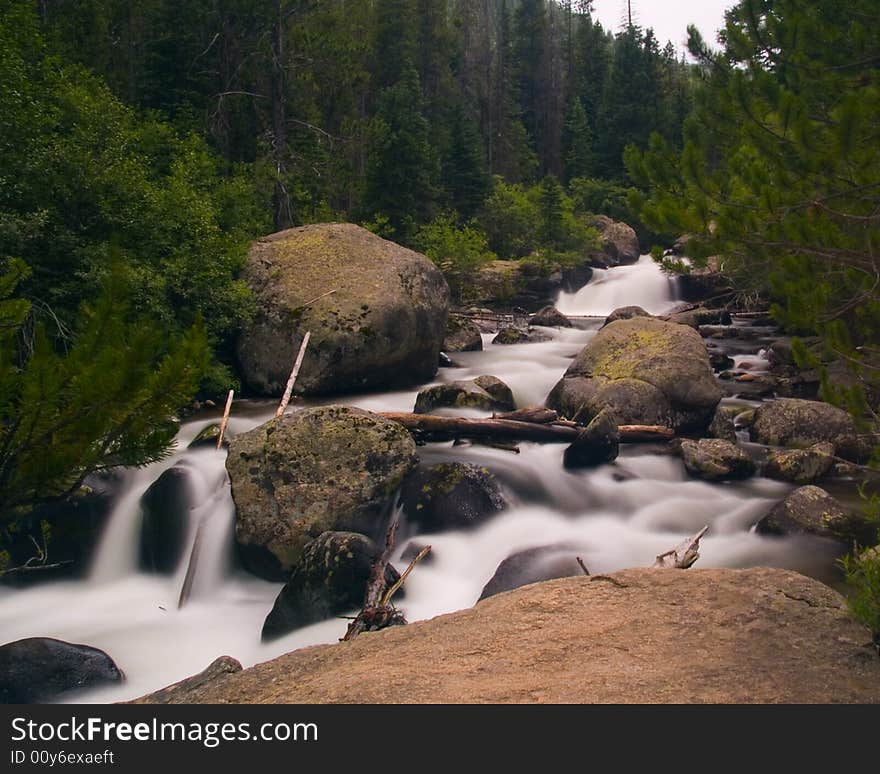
{"points": [[616, 516]]}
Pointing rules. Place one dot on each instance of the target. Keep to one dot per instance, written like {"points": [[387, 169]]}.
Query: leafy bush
{"points": [[509, 218], [457, 250]]}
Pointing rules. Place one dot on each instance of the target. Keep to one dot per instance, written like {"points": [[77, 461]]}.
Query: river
{"points": [[616, 516]]}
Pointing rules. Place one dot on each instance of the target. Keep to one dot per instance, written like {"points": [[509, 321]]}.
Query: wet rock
{"points": [[331, 468], [484, 392], [811, 510], [532, 566], [722, 425], [801, 466], [462, 335], [451, 495], [700, 316], [677, 387], [619, 241], [40, 669], [513, 335], [714, 459], [165, 526], [330, 579], [721, 361], [625, 313], [597, 444], [412, 550], [382, 326], [800, 424], [207, 437], [551, 317]]}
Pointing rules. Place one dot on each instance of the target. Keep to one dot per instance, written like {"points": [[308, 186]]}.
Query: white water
{"points": [[612, 524]]}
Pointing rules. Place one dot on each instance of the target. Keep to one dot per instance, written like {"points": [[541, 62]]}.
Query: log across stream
{"points": [[615, 516]]}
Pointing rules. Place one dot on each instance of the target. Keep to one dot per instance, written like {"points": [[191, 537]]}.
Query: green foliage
{"points": [[457, 250], [465, 173], [100, 396], [862, 570], [509, 217]]}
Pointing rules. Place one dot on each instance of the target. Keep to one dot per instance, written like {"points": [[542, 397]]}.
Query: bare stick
{"points": [[225, 420], [583, 566], [402, 579], [318, 298], [285, 399], [683, 555]]}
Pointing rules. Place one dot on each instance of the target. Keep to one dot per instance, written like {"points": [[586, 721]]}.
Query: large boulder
{"points": [[331, 579], [799, 424], [462, 335], [645, 370], [376, 311], [332, 468], [451, 495], [619, 241], [165, 508], [484, 392], [811, 510], [800, 466], [40, 669], [598, 443], [532, 565], [714, 459]]}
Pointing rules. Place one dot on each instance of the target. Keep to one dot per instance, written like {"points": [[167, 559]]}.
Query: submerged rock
{"points": [[331, 468], [451, 495], [598, 443], [801, 466], [800, 424], [330, 579], [484, 392], [662, 368], [41, 669], [376, 311], [714, 459]]}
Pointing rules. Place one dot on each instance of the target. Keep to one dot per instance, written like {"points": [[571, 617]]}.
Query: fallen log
{"points": [[536, 414], [451, 427]]}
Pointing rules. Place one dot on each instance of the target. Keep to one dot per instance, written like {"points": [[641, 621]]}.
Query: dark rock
{"points": [[166, 507], [451, 495], [811, 510], [331, 468], [722, 424], [700, 316], [513, 335], [714, 459], [800, 424], [532, 566], [619, 241], [382, 326], [207, 437], [626, 313], [551, 317], [462, 335], [720, 361], [677, 387], [484, 392], [330, 579], [413, 549], [801, 466], [218, 669], [597, 444], [40, 669]]}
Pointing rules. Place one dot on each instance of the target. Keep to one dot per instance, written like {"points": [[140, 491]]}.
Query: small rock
{"points": [[413, 549], [551, 317], [531, 566], [722, 425], [801, 466], [597, 444], [720, 361], [625, 313], [208, 436], [451, 495], [40, 669], [462, 335], [484, 392], [811, 510], [714, 459]]}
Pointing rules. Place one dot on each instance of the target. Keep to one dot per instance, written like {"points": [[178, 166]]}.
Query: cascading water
{"points": [[616, 516]]}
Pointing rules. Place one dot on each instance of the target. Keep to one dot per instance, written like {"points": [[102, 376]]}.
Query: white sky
{"points": [[669, 18]]}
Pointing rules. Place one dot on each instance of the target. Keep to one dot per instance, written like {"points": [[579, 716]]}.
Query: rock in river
{"points": [[376, 311], [332, 468], [714, 459], [484, 392]]}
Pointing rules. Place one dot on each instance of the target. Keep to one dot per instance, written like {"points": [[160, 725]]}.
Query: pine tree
{"points": [[578, 143], [552, 227], [465, 172]]}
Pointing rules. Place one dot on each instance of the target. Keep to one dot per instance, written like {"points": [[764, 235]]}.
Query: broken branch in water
{"points": [[583, 566], [683, 555], [225, 419]]}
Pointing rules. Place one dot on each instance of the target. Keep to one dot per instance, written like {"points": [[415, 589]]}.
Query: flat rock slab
{"points": [[667, 636]]}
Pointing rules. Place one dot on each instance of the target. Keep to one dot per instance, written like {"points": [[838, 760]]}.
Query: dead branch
{"points": [[285, 399], [583, 566], [225, 420], [683, 555]]}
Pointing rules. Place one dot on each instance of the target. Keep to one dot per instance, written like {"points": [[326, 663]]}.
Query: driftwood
{"points": [[378, 612], [491, 427], [683, 555], [225, 420], [535, 414], [285, 399]]}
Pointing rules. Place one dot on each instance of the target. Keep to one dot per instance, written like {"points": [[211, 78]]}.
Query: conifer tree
{"points": [[465, 172]]}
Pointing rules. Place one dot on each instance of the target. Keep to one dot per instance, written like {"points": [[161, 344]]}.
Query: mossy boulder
{"points": [[451, 495], [811, 510], [331, 579], [332, 468], [664, 370], [800, 466], [799, 424], [462, 335], [376, 311], [620, 243], [714, 459], [484, 392]]}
